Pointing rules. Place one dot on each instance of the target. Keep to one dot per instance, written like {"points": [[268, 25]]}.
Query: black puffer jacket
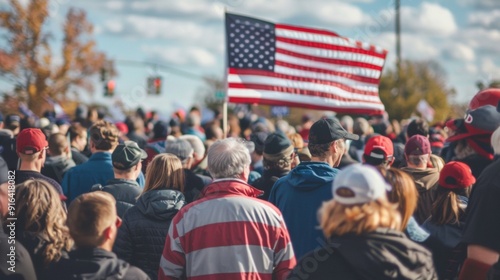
{"points": [[124, 191], [141, 237]]}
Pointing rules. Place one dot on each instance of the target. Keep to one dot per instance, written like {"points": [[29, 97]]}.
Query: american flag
{"points": [[285, 65]]}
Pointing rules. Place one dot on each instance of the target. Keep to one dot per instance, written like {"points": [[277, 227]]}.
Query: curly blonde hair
{"points": [[39, 211], [339, 219]]}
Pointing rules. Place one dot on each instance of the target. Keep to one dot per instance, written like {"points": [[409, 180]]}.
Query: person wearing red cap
{"points": [[417, 153], [31, 147], [448, 218], [379, 152]]}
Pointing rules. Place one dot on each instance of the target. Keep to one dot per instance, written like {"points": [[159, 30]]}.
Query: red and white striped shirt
{"points": [[228, 234]]}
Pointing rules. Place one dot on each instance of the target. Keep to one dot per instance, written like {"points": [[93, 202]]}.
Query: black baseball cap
{"points": [[127, 155], [327, 130]]}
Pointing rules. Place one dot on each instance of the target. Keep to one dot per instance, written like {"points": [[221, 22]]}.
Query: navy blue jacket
{"points": [[299, 195], [141, 237]]}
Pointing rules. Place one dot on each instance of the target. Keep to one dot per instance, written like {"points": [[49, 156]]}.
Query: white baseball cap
{"points": [[359, 184]]}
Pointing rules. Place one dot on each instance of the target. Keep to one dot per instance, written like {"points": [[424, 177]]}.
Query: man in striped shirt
{"points": [[228, 233]]}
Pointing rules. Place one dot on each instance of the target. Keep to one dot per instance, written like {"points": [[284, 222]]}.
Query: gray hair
{"points": [[228, 158], [196, 144]]}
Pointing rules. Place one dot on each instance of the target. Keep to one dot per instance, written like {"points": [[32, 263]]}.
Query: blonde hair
{"points": [[403, 193], [339, 219], [446, 208], [89, 215], [164, 172], [39, 210], [437, 162]]}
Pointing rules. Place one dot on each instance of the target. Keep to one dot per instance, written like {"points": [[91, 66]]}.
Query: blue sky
{"points": [[463, 36]]}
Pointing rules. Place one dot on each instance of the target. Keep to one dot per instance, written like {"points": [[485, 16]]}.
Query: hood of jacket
{"points": [[385, 254], [310, 175], [61, 163], [161, 204], [425, 179]]}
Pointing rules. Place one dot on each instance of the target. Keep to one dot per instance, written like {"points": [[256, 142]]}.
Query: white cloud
{"points": [[176, 31], [459, 51], [115, 5], [490, 69], [184, 56], [337, 13], [490, 19], [484, 40], [428, 18]]}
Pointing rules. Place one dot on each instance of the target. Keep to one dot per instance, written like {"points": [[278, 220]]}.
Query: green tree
{"points": [[417, 80], [29, 57]]}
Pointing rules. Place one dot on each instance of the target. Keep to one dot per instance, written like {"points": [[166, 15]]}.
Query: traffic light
{"points": [[154, 85], [157, 85], [109, 88]]}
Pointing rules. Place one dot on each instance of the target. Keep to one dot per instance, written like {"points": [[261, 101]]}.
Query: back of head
{"points": [[417, 126], [88, 216], [361, 127], [193, 119], [379, 151], [417, 151], [104, 135], [228, 158], [39, 211], [359, 203], [161, 130], [164, 172], [277, 152], [29, 143], [196, 144], [58, 144], [76, 130], [179, 147]]}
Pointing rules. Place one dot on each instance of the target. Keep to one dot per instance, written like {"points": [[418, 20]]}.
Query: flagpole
{"points": [[224, 105]]}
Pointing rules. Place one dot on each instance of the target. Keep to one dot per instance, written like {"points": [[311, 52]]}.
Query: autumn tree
{"points": [[29, 58], [417, 80]]}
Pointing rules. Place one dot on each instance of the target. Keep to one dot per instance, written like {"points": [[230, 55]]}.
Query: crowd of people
{"points": [[343, 198]]}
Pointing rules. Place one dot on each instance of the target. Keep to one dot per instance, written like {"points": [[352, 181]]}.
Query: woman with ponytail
{"points": [[447, 221]]}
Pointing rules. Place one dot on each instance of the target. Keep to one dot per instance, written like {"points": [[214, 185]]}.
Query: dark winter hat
{"points": [[417, 145], [456, 175], [179, 147], [12, 120], [161, 129], [259, 138], [327, 130], [277, 143], [127, 155]]}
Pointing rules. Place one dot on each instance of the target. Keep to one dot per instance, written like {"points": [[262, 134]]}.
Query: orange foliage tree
{"points": [[27, 59]]}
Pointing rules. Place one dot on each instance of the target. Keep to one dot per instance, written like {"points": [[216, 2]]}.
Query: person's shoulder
{"points": [[136, 273]]}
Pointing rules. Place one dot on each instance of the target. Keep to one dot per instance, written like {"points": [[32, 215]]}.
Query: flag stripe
{"points": [[250, 72], [330, 47], [344, 79], [332, 61], [301, 99], [241, 97], [335, 94], [297, 29], [327, 71], [357, 71]]}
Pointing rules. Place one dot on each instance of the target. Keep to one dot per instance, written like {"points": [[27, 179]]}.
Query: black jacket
{"points": [[78, 157], [266, 182], [95, 263], [383, 254], [141, 237], [20, 269], [194, 185], [124, 191]]}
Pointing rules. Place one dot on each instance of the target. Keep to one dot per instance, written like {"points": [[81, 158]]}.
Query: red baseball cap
{"points": [[418, 145], [489, 96], [381, 143], [456, 175], [30, 141]]}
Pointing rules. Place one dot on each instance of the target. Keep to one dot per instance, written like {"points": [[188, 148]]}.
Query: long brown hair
{"points": [[403, 192], [164, 172], [39, 211], [446, 208], [338, 219]]}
